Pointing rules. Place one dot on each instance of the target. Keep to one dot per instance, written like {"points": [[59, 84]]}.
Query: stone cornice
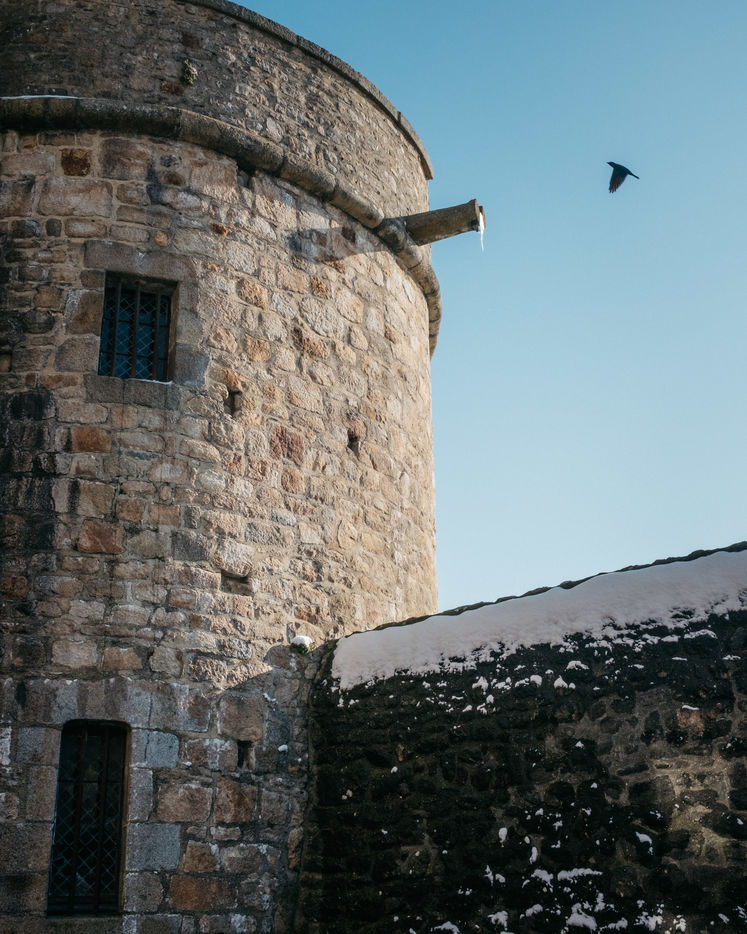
{"points": [[250, 151]]}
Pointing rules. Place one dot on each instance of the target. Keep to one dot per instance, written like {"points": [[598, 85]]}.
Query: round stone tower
{"points": [[215, 339]]}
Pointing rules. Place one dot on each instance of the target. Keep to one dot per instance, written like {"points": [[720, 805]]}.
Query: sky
{"points": [[589, 392]]}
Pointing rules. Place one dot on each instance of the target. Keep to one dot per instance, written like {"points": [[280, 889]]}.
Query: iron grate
{"points": [[87, 843]]}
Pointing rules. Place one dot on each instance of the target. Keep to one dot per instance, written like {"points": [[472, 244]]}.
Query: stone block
{"points": [[41, 792], [175, 706], [241, 718], [244, 859], [195, 893], [25, 847], [257, 350], [215, 754], [155, 749], [184, 802], [121, 659], [167, 661], [15, 198], [143, 892], [20, 894], [100, 537], [86, 438], [141, 794], [200, 857], [124, 159], [251, 292], [61, 197], [89, 498], [77, 354], [286, 443], [234, 557], [76, 161], [235, 802], [83, 228], [74, 653], [153, 846]]}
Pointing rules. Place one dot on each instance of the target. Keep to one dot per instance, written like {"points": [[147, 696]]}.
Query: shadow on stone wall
{"points": [[584, 787]]}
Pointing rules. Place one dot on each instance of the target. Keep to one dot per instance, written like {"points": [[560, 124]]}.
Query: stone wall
{"points": [[161, 543], [172, 537], [249, 72], [561, 788]]}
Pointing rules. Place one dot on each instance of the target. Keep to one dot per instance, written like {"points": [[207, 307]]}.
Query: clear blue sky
{"points": [[590, 381]]}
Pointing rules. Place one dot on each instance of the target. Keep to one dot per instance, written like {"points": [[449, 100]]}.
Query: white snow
{"points": [[33, 97], [675, 594], [580, 919], [304, 641], [565, 874]]}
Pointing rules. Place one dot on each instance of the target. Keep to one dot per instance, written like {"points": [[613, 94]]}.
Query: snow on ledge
{"points": [[599, 607]]}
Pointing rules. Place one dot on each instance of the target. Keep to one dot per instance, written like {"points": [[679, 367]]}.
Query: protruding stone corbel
{"points": [[446, 222]]}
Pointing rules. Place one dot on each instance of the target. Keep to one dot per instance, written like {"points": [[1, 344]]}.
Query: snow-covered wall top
{"points": [[625, 606], [572, 760]]}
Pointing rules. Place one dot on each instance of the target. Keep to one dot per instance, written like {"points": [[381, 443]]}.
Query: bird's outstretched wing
{"points": [[617, 178]]}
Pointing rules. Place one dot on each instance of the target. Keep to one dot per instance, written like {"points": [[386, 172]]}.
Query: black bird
{"points": [[619, 172]]}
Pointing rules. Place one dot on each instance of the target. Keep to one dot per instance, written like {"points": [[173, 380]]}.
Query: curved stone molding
{"points": [[251, 153]]}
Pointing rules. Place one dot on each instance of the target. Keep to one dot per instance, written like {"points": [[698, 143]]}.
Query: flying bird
{"points": [[619, 172]]}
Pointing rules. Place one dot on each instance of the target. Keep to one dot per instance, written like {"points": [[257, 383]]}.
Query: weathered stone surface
{"points": [[160, 542], [587, 782], [180, 802], [153, 846], [235, 802]]}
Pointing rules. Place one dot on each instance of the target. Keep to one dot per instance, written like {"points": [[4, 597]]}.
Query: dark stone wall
{"points": [[588, 786]]}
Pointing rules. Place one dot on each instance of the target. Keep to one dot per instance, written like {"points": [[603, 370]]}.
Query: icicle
{"points": [[481, 228]]}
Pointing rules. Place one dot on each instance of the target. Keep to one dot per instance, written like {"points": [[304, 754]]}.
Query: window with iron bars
{"points": [[136, 328], [85, 866]]}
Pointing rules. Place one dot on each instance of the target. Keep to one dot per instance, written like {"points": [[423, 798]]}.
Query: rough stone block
{"points": [[235, 802], [75, 161], [241, 718], [141, 794], [153, 846], [77, 353], [143, 892], [200, 857], [64, 196], [184, 802], [100, 537], [195, 893], [74, 653], [155, 749], [15, 198]]}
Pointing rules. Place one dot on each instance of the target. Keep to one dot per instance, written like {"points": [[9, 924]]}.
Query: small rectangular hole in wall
{"points": [[232, 583], [354, 443], [233, 401], [243, 748]]}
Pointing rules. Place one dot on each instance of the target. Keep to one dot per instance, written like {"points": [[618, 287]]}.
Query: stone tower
{"points": [[215, 338]]}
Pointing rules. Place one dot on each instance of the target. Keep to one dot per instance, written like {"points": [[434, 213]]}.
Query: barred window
{"points": [[135, 328], [84, 872]]}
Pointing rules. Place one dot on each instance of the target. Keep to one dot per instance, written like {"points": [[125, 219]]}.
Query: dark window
{"points": [[135, 329], [84, 870]]}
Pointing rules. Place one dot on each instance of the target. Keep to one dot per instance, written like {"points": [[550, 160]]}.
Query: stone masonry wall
{"points": [[582, 787], [249, 72], [162, 542]]}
